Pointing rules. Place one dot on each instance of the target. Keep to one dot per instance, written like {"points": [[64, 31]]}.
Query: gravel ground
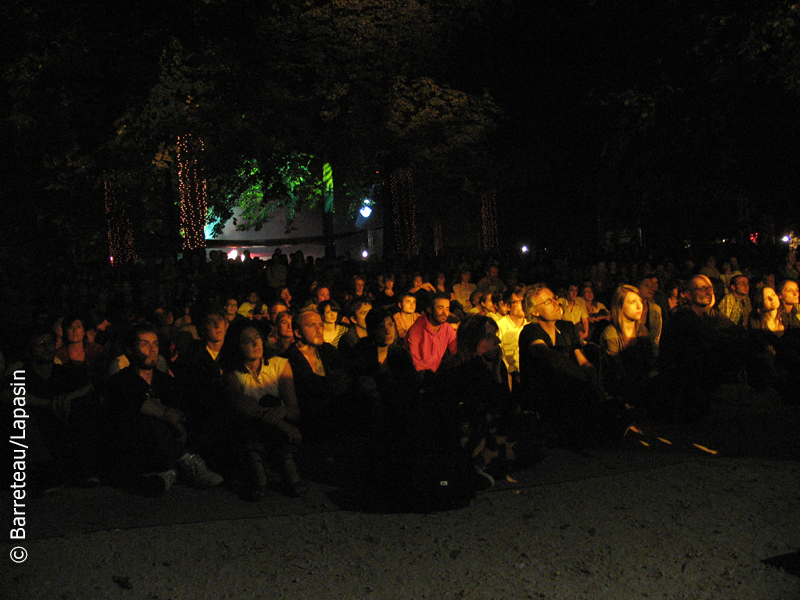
{"points": [[626, 522]]}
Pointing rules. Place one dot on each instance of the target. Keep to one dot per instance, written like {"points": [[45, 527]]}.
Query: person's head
{"points": [[141, 346], [466, 275], [231, 306], [440, 279], [647, 288], [789, 293], [477, 336], [308, 328], [626, 306], [418, 281], [358, 285], [253, 297], [283, 326], [766, 300], [250, 344], [408, 304], [587, 293], [487, 303], [439, 310], [541, 304], [215, 326], [73, 330], [329, 311], [41, 349], [275, 308], [493, 271], [700, 292], [740, 286], [285, 294], [388, 282], [381, 328], [358, 312], [513, 300], [572, 292], [500, 305], [321, 293], [475, 298]]}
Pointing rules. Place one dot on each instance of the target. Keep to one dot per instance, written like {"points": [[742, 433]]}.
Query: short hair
{"points": [[732, 282], [375, 319], [528, 302], [357, 303], [130, 340]]}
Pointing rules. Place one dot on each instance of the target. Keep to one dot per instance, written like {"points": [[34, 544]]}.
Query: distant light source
{"points": [[111, 258], [233, 254], [366, 208], [786, 239], [524, 249], [364, 254]]}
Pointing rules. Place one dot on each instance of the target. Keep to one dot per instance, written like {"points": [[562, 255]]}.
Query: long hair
{"points": [[617, 302]]}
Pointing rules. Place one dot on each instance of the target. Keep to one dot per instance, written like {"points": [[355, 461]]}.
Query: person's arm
{"points": [[288, 393], [414, 340], [172, 416]]}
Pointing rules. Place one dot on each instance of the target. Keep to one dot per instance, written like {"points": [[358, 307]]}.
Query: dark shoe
{"points": [[157, 484]]}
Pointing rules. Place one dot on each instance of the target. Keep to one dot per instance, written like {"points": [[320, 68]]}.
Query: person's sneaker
{"points": [[194, 468], [157, 484]]}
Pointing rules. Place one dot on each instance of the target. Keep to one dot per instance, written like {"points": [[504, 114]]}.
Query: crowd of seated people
{"points": [[267, 359]]}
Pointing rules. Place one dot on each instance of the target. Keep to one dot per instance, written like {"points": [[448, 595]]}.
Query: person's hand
{"points": [[176, 419]]}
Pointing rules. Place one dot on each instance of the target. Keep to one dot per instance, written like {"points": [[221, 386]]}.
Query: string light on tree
{"points": [[192, 191], [120, 232]]}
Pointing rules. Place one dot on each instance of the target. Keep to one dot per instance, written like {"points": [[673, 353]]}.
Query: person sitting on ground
{"points": [[261, 394], [491, 282], [431, 336], [790, 300], [736, 303], [509, 328], [423, 291], [627, 353], [148, 432], [387, 296], [285, 294], [440, 283], [199, 374], [463, 290], [556, 378], [597, 311], [332, 329], [282, 335], [320, 380], [697, 352], [359, 292], [767, 314], [358, 327], [575, 311], [318, 295], [252, 308], [651, 319], [475, 299], [62, 431], [76, 349], [383, 369], [484, 417], [407, 314]]}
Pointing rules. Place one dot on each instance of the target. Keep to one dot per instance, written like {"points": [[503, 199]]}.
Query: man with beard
{"points": [[431, 335], [150, 433]]}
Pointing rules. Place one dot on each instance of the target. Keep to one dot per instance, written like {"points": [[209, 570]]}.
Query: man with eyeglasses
{"points": [[736, 304], [700, 348], [556, 378]]}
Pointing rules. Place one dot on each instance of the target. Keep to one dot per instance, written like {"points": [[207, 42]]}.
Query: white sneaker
{"points": [[156, 484], [194, 468]]}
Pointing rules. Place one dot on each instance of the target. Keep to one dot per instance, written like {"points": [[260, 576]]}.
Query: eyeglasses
{"points": [[547, 302], [705, 288]]}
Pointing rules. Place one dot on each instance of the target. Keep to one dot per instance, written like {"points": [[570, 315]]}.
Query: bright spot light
{"points": [[111, 258], [364, 254], [365, 211], [524, 249], [233, 254], [786, 239]]}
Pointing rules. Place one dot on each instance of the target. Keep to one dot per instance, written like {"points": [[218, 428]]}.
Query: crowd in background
{"points": [[210, 369]]}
